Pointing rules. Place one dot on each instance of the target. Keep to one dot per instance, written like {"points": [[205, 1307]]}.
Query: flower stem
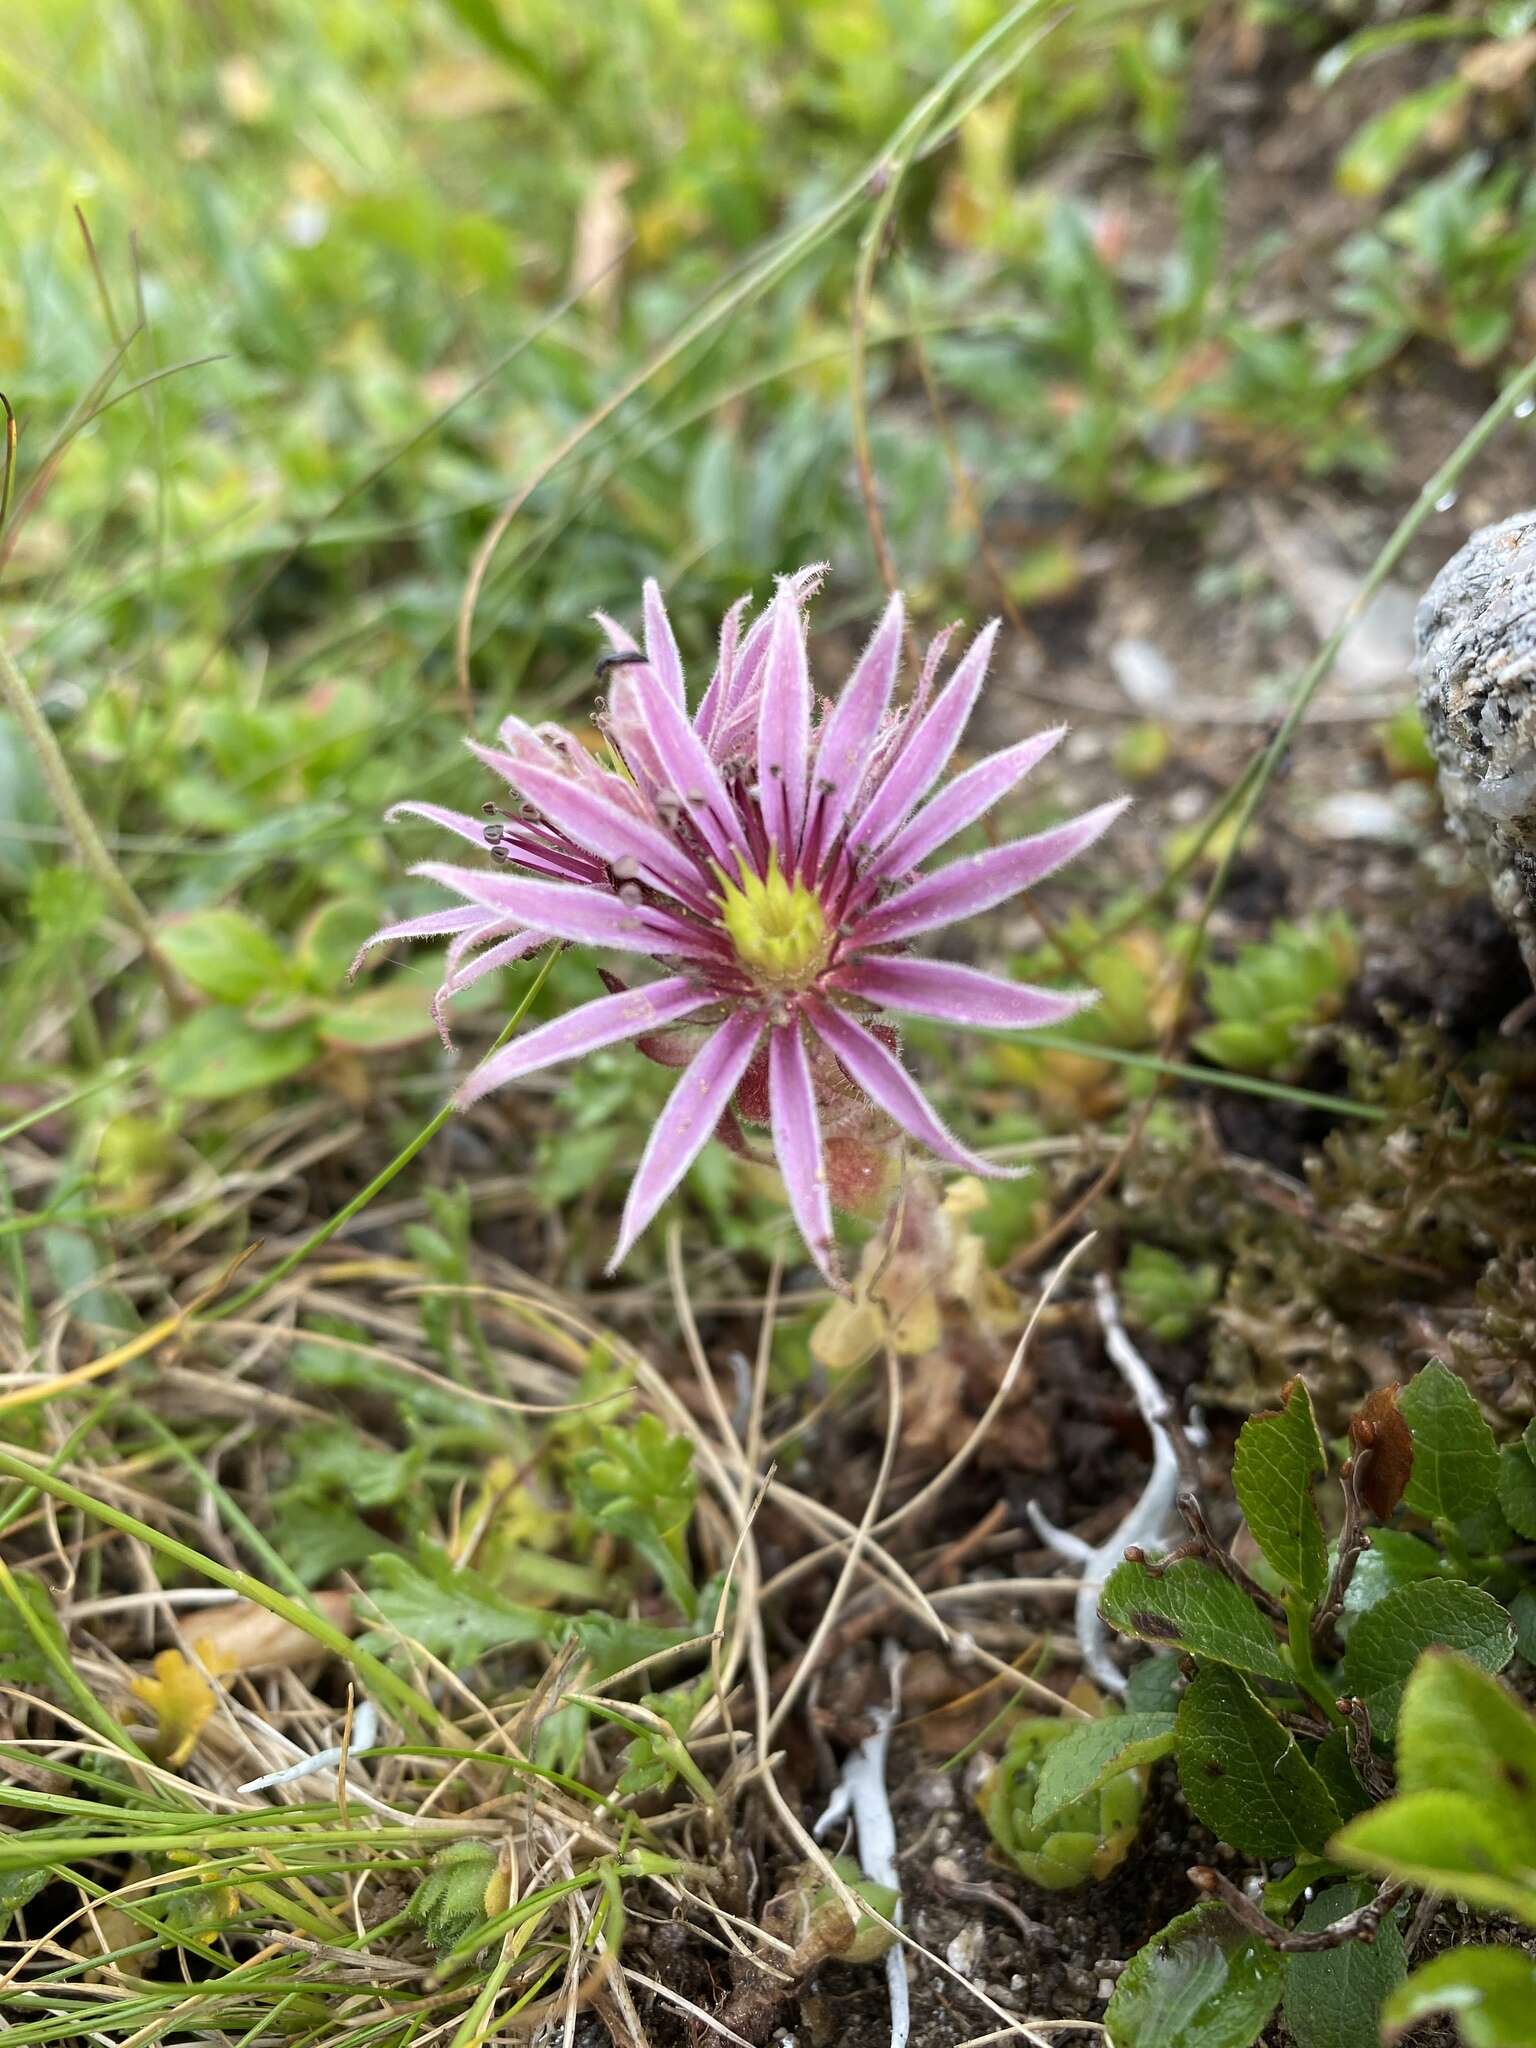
{"points": [[24, 708]]}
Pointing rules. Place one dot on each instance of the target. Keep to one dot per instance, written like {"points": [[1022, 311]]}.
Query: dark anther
{"points": [[501, 853], [609, 661], [493, 835]]}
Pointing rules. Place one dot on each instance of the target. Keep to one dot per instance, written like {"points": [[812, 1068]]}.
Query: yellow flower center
{"points": [[775, 925]]}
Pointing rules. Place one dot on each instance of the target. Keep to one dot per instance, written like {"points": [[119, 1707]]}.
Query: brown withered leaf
{"points": [[1377, 1427]]}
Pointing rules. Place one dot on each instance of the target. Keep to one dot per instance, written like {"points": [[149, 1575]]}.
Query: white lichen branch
{"points": [[1148, 1520], [862, 1795]]}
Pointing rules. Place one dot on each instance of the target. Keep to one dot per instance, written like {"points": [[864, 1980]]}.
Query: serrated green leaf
{"points": [[1330, 1760], [22, 1658], [1455, 1459], [453, 1613], [1192, 1606], [1244, 1775], [1093, 1752], [1392, 1559], [1444, 1842], [1460, 1730], [1385, 1644], [1333, 1997], [1155, 1686], [1203, 1982], [1517, 1489], [1278, 1456], [223, 954], [1491, 1992]]}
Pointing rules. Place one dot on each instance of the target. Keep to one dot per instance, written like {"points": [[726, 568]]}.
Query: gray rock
{"points": [[1476, 640]]}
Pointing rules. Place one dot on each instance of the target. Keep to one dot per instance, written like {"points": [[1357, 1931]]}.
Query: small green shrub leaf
{"points": [[1278, 1456], [1333, 1997], [223, 954], [1394, 1559], [1094, 1751], [1244, 1775], [1203, 1982], [1155, 1686], [1491, 1991], [1459, 1730], [1192, 1606], [1445, 1842], [1455, 1459], [1385, 1644], [1517, 1489]]}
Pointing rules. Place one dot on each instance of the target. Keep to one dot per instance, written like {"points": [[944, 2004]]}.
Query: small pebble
{"points": [[1145, 674]]}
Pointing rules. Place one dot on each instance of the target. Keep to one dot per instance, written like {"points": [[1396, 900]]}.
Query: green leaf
{"points": [[1385, 1644], [216, 1054], [1380, 149], [1094, 1751], [453, 1614], [1446, 1842], [1244, 1775], [22, 1659], [1393, 1559], [1333, 1997], [1490, 1991], [378, 1020], [1392, 35], [16, 1888], [1155, 1686], [1330, 1760], [1459, 1730], [1517, 1489], [1277, 1458], [1202, 1982], [484, 21], [1455, 1459], [1193, 1607], [223, 954], [1522, 1614]]}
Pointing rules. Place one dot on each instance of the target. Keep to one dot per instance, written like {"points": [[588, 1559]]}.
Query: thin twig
{"points": [[1354, 1541], [1371, 1772], [1361, 1925]]}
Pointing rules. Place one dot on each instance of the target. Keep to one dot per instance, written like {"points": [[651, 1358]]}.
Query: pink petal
{"points": [[797, 1141], [518, 947], [848, 736], [719, 689], [600, 825], [604, 1021], [661, 654], [961, 802], [568, 910], [967, 887], [959, 995], [693, 1109], [886, 1081], [620, 639], [686, 771], [629, 718], [738, 716], [472, 829], [784, 730], [434, 925], [925, 755]]}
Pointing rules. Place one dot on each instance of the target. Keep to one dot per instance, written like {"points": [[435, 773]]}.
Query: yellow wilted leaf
{"points": [[182, 1702]]}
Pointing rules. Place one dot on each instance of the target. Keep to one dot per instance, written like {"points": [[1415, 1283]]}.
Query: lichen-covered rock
{"points": [[1476, 635]]}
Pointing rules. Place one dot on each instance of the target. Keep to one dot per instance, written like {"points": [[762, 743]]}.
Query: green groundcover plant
{"points": [[1279, 1693]]}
